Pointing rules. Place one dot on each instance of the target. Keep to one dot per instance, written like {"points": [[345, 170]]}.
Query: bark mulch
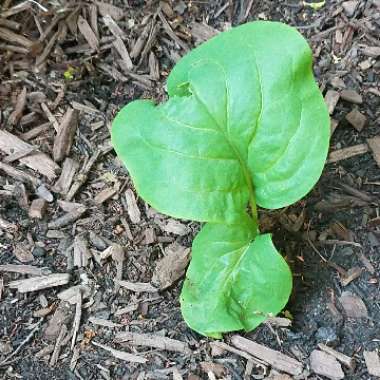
{"points": [[90, 275]]}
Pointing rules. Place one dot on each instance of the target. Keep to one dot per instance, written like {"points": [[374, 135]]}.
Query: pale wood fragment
{"points": [[172, 266], [7, 226], [104, 195], [349, 152], [66, 178], [374, 144], [64, 138], [151, 340], [38, 283], [58, 345], [10, 36], [108, 9], [50, 116], [82, 176], [121, 354], [353, 306], [68, 218], [15, 116], [88, 33], [331, 100], [82, 253], [326, 365], [132, 207], [372, 362], [138, 287], [37, 208], [123, 52], [25, 269], [344, 359], [18, 174], [274, 358], [78, 314], [40, 162], [34, 132]]}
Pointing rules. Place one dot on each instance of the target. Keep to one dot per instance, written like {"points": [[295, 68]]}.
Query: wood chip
{"points": [[155, 341], [132, 207], [118, 255], [82, 176], [77, 317], [50, 116], [331, 100], [23, 253], [37, 209], [372, 362], [351, 96], [108, 9], [36, 131], [175, 227], [18, 174], [352, 151], [82, 253], [15, 116], [274, 358], [172, 266], [70, 295], [25, 269], [113, 27], [69, 169], [7, 226], [8, 35], [68, 218], [65, 136], [40, 162], [138, 287], [326, 365], [38, 283], [344, 359], [356, 119], [58, 345], [202, 32], [353, 306], [121, 354], [104, 195], [349, 7], [104, 322], [374, 144], [88, 33], [351, 275], [123, 52], [372, 51], [62, 315]]}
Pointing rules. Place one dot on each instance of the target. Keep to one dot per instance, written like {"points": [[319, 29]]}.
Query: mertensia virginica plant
{"points": [[245, 126]]}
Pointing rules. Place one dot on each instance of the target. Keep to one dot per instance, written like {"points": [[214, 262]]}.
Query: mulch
{"points": [[90, 275]]}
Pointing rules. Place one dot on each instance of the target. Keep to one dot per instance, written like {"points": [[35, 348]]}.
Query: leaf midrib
{"points": [[244, 168]]}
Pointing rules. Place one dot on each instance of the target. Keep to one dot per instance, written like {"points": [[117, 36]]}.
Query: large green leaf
{"points": [[233, 283], [245, 119]]}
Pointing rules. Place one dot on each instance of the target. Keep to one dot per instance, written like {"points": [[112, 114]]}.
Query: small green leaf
{"points": [[316, 6], [245, 120], [233, 283]]}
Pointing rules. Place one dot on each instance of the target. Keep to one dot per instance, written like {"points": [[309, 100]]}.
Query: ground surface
{"points": [[331, 239]]}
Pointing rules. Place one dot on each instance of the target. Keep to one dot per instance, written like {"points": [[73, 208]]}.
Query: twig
{"points": [[26, 340]]}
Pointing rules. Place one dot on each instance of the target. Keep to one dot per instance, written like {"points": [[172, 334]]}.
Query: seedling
{"points": [[245, 126]]}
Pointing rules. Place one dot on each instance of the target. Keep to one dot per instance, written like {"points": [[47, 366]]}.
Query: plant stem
{"points": [[253, 206]]}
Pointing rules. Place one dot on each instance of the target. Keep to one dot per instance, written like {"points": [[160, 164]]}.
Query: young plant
{"points": [[245, 126]]}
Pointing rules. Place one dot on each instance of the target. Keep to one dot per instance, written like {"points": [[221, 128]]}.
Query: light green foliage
{"points": [[245, 123]]}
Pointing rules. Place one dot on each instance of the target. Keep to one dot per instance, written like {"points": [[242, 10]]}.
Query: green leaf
{"points": [[245, 119], [233, 283]]}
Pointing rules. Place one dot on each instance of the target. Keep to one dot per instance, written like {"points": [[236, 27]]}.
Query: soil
{"points": [[331, 233]]}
